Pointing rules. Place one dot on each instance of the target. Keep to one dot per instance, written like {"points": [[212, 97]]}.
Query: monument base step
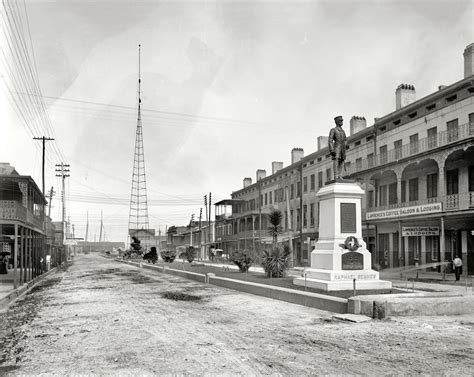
{"points": [[343, 285]]}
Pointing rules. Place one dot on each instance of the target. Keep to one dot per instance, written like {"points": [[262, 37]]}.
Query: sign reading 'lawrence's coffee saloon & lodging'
{"points": [[425, 209]]}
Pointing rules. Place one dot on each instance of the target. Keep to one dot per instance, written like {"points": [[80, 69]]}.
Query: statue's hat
{"points": [[339, 117]]}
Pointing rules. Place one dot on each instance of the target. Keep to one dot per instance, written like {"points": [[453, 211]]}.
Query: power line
{"points": [[23, 76], [153, 111]]}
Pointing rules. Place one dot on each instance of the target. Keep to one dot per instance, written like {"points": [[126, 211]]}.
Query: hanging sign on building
{"points": [[424, 209], [409, 231]]}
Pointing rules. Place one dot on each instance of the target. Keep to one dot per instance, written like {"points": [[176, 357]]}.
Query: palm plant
{"points": [[275, 261], [275, 228]]}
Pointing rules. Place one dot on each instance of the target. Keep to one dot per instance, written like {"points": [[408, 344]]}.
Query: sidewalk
{"points": [[426, 281], [7, 290], [6, 284]]}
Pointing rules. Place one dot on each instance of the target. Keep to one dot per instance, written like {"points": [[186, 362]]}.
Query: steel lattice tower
{"points": [[138, 216]]}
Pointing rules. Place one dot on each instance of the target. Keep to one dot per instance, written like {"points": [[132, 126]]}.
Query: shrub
{"points": [[243, 259], [275, 261], [136, 247], [151, 256], [190, 253], [168, 255]]}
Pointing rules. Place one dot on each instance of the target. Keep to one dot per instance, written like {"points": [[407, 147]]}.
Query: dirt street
{"points": [[101, 317]]}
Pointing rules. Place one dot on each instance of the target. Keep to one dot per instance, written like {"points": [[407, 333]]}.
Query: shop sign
{"points": [[420, 231], [425, 209]]}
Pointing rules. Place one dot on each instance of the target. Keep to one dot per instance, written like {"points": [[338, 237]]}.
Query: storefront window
{"points": [[432, 247], [414, 246]]}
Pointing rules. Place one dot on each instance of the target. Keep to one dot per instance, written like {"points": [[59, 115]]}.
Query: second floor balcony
{"points": [[440, 139], [12, 210]]}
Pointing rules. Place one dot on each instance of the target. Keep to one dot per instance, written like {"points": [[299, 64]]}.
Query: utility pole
{"points": [[51, 193], [87, 227], [43, 246], [159, 239], [44, 139], [62, 170], [207, 217], [209, 224], [259, 215], [101, 226], [200, 230], [191, 223]]}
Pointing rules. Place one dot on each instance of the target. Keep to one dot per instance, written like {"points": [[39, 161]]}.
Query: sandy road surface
{"points": [[105, 318]]}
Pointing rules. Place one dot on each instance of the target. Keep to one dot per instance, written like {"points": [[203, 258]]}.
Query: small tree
{"points": [[168, 256], [243, 259], [136, 248], [190, 253]]}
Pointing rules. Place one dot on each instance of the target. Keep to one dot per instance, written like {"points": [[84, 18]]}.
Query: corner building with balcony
{"points": [[26, 236], [416, 166]]}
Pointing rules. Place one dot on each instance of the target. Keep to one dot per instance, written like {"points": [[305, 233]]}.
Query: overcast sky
{"points": [[228, 87]]}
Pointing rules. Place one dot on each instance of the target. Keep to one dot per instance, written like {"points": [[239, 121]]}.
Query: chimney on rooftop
{"points": [[276, 165], [296, 154], [469, 60], [357, 123], [247, 182], [261, 173], [404, 95], [322, 142]]}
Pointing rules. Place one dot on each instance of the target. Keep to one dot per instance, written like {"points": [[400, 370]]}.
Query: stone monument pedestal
{"points": [[340, 254]]}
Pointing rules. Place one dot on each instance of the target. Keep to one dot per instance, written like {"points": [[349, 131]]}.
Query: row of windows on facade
{"points": [[278, 195], [284, 223]]}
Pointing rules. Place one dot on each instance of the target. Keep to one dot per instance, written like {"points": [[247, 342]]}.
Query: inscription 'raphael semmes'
{"points": [[355, 276]]}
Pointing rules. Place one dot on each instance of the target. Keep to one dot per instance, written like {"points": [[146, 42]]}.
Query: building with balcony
{"points": [[200, 235], [415, 164], [22, 224]]}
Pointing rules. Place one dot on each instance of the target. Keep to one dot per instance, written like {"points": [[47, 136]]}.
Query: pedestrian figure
{"points": [[457, 263], [4, 265], [211, 254]]}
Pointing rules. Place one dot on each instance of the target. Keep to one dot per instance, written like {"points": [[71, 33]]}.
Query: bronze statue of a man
{"points": [[337, 147]]}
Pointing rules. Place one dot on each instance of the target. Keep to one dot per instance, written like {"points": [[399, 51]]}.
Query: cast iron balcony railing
{"points": [[12, 210], [444, 138]]}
